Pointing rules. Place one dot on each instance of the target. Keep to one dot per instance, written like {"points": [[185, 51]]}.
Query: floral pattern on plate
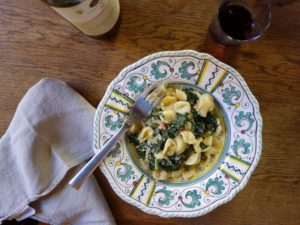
{"points": [[219, 183]]}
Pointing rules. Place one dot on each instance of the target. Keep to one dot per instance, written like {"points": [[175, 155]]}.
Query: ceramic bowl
{"points": [[223, 178]]}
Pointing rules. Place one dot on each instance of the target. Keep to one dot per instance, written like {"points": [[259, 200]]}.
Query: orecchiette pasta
{"points": [[187, 174], [136, 127], [213, 151], [180, 95], [160, 175], [145, 134], [182, 107], [171, 91], [167, 103], [180, 144], [169, 149], [204, 105], [205, 157], [182, 135], [177, 173], [168, 116], [197, 146], [193, 159], [188, 137], [207, 141]]}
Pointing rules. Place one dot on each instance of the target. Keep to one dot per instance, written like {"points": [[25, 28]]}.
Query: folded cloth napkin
{"points": [[50, 134]]}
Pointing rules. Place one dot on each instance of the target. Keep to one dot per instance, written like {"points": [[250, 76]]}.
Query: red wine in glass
{"points": [[239, 21], [236, 21]]}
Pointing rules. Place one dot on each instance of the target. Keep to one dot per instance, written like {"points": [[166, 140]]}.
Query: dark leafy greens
{"points": [[133, 138], [201, 126], [211, 123], [198, 124], [174, 127], [173, 163], [192, 98], [203, 146]]}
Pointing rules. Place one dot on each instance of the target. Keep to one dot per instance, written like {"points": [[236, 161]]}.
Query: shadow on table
{"points": [[226, 54], [23, 222]]}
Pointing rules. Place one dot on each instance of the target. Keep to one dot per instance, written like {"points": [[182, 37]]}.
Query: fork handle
{"points": [[93, 163]]}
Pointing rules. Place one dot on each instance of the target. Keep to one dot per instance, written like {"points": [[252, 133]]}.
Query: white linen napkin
{"points": [[50, 134]]}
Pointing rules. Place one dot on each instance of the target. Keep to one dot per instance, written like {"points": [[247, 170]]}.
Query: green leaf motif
{"points": [[166, 198], [217, 184], [136, 86], [195, 199], [113, 125], [125, 173], [241, 144], [231, 94], [155, 70], [115, 151], [183, 70], [244, 117]]}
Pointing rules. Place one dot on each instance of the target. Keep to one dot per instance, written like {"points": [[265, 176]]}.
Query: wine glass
{"points": [[239, 21]]}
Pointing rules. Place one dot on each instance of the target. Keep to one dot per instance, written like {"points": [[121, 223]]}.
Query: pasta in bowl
{"points": [[182, 138], [196, 168]]}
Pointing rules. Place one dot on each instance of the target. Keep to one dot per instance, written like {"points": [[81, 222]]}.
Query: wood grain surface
{"points": [[35, 42]]}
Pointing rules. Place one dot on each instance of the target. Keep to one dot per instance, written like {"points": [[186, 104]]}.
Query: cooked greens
{"points": [[176, 145], [174, 127], [192, 98]]}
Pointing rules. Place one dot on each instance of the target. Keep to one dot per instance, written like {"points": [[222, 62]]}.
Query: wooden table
{"points": [[36, 42]]}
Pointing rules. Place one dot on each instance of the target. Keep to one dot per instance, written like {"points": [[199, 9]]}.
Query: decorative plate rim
{"points": [[232, 193]]}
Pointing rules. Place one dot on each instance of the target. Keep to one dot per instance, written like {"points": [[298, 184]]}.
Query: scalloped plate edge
{"points": [[233, 193]]}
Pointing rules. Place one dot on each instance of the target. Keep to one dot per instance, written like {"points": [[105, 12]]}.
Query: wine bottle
{"points": [[95, 18]]}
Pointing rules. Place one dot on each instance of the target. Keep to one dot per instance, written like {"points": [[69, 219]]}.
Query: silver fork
{"points": [[141, 109]]}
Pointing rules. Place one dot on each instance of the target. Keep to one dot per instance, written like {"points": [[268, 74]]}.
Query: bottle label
{"points": [[92, 17]]}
